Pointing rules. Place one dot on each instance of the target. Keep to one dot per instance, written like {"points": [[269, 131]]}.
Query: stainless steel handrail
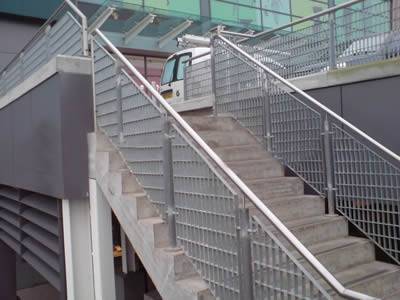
{"points": [[308, 256], [42, 29], [311, 17]]}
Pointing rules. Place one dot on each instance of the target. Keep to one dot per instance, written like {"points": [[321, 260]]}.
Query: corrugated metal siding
{"points": [[31, 224]]}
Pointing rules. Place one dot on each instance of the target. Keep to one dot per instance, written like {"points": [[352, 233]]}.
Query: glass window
{"points": [[277, 5], [235, 14], [182, 62], [168, 72]]}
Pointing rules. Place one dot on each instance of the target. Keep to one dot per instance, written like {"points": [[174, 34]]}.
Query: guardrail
{"points": [[197, 77], [61, 34], [203, 200], [353, 33], [359, 176]]}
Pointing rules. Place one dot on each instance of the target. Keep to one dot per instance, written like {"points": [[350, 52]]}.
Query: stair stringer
{"points": [[170, 270]]}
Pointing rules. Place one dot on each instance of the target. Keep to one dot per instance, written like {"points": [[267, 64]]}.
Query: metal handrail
{"points": [[299, 21], [282, 229], [42, 29]]}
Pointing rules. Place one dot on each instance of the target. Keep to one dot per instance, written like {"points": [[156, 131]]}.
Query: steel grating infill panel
{"points": [[31, 224]]}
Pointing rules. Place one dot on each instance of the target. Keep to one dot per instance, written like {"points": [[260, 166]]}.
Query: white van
{"points": [[172, 85]]}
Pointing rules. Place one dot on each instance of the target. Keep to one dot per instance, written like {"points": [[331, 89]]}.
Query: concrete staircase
{"points": [[170, 270], [350, 259]]}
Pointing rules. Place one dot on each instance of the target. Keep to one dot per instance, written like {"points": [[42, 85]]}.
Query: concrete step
{"points": [[124, 182], [276, 187], [306, 206], [255, 169], [159, 230], [223, 139], [208, 123], [340, 254], [312, 230], [242, 152], [376, 279], [142, 206]]}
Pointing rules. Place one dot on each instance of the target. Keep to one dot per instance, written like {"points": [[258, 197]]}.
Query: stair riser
{"points": [[314, 233], [218, 139], [210, 123], [238, 154], [304, 208], [256, 170], [344, 258], [278, 189], [386, 284]]}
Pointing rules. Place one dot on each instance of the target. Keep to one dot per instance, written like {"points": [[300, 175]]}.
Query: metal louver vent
{"points": [[31, 224]]}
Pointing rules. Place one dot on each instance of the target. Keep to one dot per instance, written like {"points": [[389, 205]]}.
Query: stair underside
{"points": [[351, 260]]}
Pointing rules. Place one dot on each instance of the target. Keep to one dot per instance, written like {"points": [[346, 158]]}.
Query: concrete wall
{"points": [[14, 34]]}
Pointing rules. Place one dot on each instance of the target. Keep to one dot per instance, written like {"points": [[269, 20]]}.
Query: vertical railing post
{"points": [[328, 165], [169, 182], [47, 42], [244, 253], [118, 91], [266, 115], [213, 77], [332, 37], [185, 83], [21, 65]]}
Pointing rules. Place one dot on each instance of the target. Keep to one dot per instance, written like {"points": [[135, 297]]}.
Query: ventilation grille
{"points": [[31, 224]]}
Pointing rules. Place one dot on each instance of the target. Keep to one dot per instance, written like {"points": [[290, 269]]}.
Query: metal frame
{"points": [[138, 28]]}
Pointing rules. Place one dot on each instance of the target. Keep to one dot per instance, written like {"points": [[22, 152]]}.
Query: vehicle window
{"points": [[168, 72], [182, 62]]}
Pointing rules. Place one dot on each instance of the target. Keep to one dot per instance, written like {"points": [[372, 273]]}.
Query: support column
{"points": [[103, 259], [78, 249], [8, 279]]}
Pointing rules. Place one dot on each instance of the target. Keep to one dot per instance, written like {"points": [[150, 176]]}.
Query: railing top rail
{"points": [[198, 56], [312, 100], [42, 29], [336, 285], [311, 17]]}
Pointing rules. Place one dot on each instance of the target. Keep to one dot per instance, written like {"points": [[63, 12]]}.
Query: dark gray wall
{"points": [[373, 106], [43, 138], [14, 35]]}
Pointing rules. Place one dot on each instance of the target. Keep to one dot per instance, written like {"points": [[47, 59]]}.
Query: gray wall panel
{"points": [[44, 137], [7, 146], [374, 107]]}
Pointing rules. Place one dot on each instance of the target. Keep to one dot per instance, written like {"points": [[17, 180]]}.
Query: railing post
{"points": [[332, 37], [244, 253], [119, 103], [329, 165], [266, 116], [47, 42], [21, 65], [213, 77], [169, 183]]}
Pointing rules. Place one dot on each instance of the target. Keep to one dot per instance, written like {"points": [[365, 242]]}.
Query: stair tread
{"points": [[272, 179], [245, 162], [332, 245], [365, 273]]}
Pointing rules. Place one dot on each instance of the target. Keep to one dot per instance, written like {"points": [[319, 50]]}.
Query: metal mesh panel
{"points": [[198, 82], [362, 33], [267, 108], [296, 136], [205, 221], [276, 272], [367, 190], [143, 136], [239, 89], [132, 121], [65, 37]]}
